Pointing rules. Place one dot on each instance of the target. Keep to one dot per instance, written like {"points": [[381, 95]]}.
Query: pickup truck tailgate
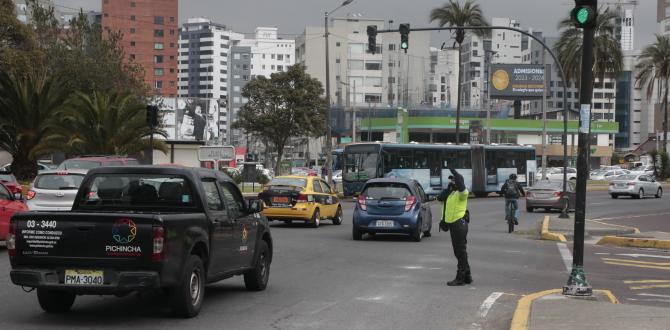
{"points": [[83, 239]]}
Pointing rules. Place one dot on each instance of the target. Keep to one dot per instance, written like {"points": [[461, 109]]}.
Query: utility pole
{"points": [[584, 15], [544, 118], [353, 108]]}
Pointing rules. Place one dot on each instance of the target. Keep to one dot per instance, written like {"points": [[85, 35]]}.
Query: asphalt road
{"points": [[321, 278]]}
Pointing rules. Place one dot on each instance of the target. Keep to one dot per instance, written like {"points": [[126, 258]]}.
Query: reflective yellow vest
{"points": [[455, 206]]}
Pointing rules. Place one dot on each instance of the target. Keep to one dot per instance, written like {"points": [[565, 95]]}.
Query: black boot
{"points": [[467, 277], [459, 280]]}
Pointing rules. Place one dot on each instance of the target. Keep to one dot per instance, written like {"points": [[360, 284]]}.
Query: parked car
{"points": [[141, 228], [636, 186], [392, 205], [301, 198], [40, 167], [9, 180], [608, 175], [10, 203], [87, 163], [548, 195], [556, 174], [608, 168], [643, 170], [54, 190]]}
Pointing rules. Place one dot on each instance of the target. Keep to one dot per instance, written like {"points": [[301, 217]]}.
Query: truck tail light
{"points": [[11, 239], [361, 202], [409, 203], [158, 244], [31, 194]]}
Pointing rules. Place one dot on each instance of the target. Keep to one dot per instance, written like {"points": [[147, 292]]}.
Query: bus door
{"points": [[479, 177]]}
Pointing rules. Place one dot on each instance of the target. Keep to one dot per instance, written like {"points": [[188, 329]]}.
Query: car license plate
{"points": [[384, 223], [84, 277], [280, 200], [620, 185]]}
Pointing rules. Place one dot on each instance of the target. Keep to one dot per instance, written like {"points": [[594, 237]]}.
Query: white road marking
{"points": [[654, 295], [637, 255], [603, 253], [650, 300], [488, 303], [632, 216], [565, 255]]}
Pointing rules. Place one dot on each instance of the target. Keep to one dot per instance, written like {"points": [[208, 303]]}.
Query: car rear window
{"points": [[78, 164], [294, 182], [627, 177], [58, 181], [156, 192], [386, 191], [548, 185]]}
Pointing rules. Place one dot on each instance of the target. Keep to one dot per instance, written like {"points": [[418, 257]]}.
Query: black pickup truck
{"points": [[136, 228]]}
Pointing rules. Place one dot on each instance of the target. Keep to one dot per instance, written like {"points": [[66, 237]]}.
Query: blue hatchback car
{"points": [[393, 206]]}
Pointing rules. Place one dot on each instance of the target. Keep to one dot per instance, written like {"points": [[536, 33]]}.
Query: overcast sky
{"points": [[291, 16]]}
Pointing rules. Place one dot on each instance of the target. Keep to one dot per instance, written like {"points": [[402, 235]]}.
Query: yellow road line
{"points": [[635, 265], [653, 286], [647, 281], [638, 262]]}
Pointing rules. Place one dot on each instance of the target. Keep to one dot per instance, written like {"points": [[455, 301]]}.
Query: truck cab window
{"points": [[214, 202]]}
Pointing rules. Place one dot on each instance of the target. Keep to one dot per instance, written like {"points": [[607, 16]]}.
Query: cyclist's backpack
{"points": [[511, 191]]}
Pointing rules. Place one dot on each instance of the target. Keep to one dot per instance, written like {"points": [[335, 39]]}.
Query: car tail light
{"points": [[361, 203], [529, 194], [31, 194], [158, 244], [11, 239], [631, 183], [611, 183], [302, 198], [409, 203], [557, 193]]}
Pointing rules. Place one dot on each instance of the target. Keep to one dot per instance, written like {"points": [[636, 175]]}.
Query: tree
{"points": [[18, 49], [607, 54], [453, 14], [653, 70], [287, 105], [107, 124], [28, 102]]}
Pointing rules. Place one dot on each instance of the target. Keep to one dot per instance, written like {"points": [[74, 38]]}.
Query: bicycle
{"points": [[511, 208]]}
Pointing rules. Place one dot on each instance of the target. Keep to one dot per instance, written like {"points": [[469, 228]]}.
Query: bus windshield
{"points": [[360, 166]]}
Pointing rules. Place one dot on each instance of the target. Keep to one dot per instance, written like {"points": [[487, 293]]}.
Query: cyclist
{"points": [[512, 190]]}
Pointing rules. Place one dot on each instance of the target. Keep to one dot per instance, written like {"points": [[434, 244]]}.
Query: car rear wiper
{"points": [[389, 198]]}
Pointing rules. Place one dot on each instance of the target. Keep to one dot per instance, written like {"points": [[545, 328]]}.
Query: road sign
{"points": [[517, 81], [216, 153]]}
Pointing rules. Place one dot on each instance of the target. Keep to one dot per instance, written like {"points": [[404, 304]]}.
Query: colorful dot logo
{"points": [[124, 231]]}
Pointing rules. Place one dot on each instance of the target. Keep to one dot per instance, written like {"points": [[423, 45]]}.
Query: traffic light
{"points": [[404, 36], [585, 13], [372, 38], [152, 116]]}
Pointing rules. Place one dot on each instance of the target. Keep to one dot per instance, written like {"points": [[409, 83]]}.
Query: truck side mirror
{"points": [[255, 206]]}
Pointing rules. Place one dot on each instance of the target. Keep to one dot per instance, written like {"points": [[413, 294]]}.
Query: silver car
{"points": [[608, 175], [636, 186], [54, 190]]}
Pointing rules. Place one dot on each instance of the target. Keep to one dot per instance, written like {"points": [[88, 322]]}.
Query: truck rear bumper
{"points": [[115, 282]]}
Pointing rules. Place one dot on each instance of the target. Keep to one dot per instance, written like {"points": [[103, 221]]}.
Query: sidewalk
{"points": [[566, 227], [551, 310]]}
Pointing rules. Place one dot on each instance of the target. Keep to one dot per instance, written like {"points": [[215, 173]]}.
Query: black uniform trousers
{"points": [[459, 241]]}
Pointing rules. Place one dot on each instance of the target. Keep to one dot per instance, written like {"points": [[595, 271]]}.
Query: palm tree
{"points": [[653, 69], [28, 103], [452, 14], [607, 54], [108, 124]]}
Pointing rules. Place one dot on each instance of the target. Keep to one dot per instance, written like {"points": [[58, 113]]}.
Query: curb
{"points": [[635, 229], [635, 242], [549, 236], [521, 318]]}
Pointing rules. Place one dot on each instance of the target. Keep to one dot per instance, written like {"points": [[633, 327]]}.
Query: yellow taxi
{"points": [[301, 198]]}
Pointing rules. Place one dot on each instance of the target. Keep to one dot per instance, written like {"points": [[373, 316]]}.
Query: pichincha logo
{"points": [[500, 80], [124, 231]]}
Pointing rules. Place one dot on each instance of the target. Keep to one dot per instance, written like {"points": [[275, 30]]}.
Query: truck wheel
{"points": [[187, 296], [54, 301], [337, 220], [257, 278]]}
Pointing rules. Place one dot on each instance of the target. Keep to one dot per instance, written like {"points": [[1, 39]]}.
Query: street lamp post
{"points": [[329, 133]]}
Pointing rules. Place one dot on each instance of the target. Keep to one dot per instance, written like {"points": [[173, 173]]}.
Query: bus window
{"points": [[420, 160], [464, 159], [361, 166], [404, 159]]}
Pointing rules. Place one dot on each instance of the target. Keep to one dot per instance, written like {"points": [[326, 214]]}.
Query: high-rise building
{"points": [[663, 15], [150, 37], [444, 77]]}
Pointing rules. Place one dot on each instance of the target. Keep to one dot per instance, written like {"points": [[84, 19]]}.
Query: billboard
{"points": [[518, 81], [193, 119]]}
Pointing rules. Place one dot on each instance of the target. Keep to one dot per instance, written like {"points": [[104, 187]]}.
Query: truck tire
{"points": [[55, 301], [187, 297], [257, 278]]}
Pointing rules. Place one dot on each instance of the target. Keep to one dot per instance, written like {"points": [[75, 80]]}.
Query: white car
{"points": [[556, 174], [608, 175], [636, 186], [54, 190], [643, 170]]}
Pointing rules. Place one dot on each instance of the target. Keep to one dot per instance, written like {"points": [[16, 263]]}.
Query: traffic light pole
{"points": [[577, 284], [556, 62]]}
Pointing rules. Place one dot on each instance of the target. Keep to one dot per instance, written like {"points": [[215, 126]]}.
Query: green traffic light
{"points": [[582, 15], [403, 45]]}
